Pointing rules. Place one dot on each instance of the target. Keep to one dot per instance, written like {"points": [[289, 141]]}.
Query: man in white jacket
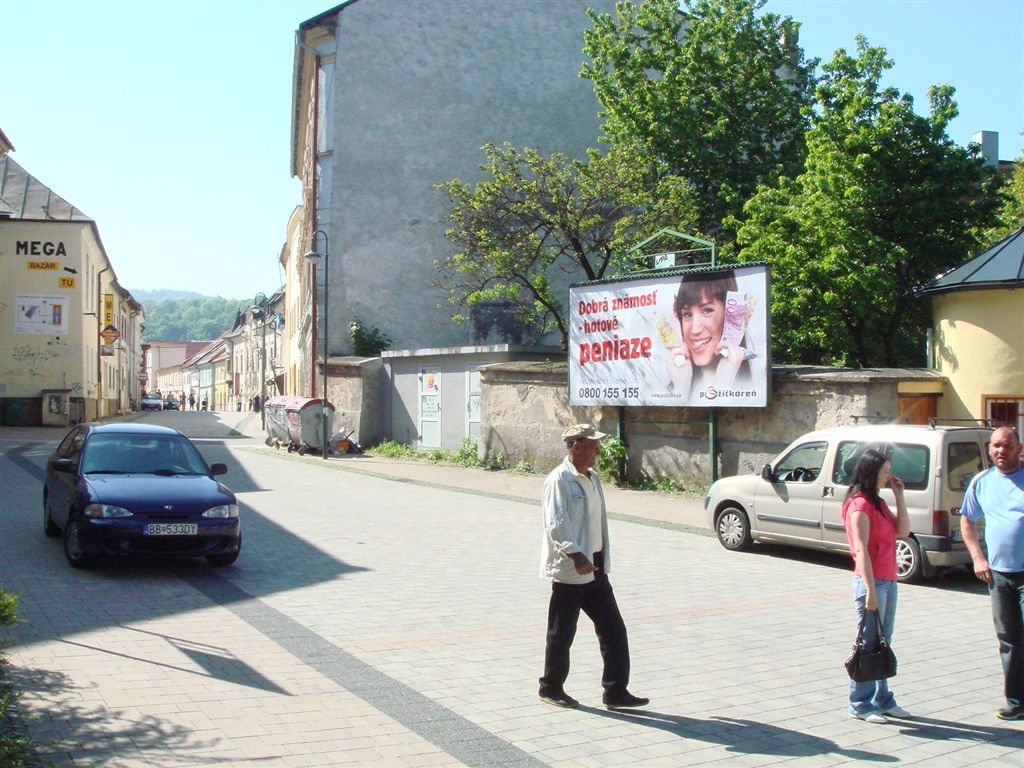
{"points": [[576, 558]]}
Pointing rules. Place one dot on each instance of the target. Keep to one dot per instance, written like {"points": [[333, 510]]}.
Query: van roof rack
{"points": [[988, 423], [879, 419]]}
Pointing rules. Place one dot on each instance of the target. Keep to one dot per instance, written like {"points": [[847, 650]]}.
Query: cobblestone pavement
{"points": [[381, 616]]}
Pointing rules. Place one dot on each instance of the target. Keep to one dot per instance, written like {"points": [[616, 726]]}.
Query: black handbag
{"points": [[878, 664]]}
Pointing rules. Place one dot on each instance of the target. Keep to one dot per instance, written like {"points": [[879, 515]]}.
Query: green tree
{"points": [[1011, 214], [886, 201], [534, 216], [716, 94], [196, 318]]}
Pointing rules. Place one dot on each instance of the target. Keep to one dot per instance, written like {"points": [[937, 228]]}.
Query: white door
{"points": [[473, 403], [430, 407]]}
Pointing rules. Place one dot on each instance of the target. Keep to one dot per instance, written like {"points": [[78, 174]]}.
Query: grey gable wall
{"points": [[419, 87]]}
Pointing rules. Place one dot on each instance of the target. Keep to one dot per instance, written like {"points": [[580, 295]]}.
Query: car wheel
{"points": [[227, 558], [73, 549], [49, 528], [733, 529], [909, 561]]}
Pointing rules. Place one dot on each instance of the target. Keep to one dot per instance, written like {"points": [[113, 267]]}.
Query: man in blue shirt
{"points": [[998, 494]]}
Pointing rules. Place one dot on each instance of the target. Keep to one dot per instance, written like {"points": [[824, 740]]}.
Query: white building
{"points": [[70, 335]]}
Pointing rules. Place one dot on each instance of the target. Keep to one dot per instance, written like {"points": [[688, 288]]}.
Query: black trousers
{"points": [[597, 600]]}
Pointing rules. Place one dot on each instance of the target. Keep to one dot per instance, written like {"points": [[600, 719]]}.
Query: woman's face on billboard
{"points": [[701, 325]]}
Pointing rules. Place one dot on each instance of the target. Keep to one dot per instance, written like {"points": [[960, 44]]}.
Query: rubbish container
{"points": [[296, 423]]}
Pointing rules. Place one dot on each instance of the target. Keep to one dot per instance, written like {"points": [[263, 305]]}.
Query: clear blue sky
{"points": [[169, 122]]}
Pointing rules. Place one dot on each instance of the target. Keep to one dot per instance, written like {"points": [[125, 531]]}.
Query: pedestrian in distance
{"points": [[181, 401], [997, 494], [204, 402], [872, 530], [191, 401], [576, 559]]}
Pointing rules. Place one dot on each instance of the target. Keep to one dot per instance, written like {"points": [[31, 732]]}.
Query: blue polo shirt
{"points": [[1000, 498]]}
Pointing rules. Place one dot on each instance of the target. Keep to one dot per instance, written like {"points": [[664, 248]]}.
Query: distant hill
{"points": [[193, 317], [148, 298]]}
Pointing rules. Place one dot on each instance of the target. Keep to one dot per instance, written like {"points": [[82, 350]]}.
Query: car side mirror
{"points": [[63, 465], [767, 474], [218, 469]]}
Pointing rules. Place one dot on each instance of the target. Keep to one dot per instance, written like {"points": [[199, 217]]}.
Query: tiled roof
{"points": [[1001, 266], [23, 196]]}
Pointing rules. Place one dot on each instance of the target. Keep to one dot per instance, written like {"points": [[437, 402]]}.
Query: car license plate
{"points": [[957, 536], [172, 529]]}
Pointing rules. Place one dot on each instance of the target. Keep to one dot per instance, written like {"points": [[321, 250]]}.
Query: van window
{"points": [[802, 464], [964, 461], [910, 462]]}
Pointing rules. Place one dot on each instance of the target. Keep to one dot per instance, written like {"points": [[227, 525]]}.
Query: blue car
{"points": [[137, 489]]}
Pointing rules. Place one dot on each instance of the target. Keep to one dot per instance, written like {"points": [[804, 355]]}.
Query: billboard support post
{"points": [[713, 443], [620, 432]]}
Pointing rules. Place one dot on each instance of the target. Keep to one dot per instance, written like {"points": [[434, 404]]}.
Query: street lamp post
{"points": [[261, 301], [313, 257]]}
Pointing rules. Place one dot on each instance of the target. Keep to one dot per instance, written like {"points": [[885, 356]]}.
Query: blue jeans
{"points": [[1007, 592], [873, 695]]}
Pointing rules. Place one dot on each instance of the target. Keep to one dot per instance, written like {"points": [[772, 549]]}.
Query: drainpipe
{"points": [[314, 218], [99, 342]]}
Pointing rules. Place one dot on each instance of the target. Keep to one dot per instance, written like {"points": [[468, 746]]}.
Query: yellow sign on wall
{"points": [[44, 265], [65, 282], [108, 309]]}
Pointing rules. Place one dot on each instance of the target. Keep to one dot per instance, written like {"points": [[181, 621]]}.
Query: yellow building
{"points": [[70, 335], [977, 342]]}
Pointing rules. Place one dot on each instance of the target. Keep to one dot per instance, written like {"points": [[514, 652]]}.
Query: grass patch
{"points": [[465, 456]]}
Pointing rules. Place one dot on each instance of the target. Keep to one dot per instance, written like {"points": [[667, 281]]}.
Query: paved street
{"points": [[383, 614]]}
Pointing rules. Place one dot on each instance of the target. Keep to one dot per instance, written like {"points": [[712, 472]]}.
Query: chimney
{"points": [[989, 143]]}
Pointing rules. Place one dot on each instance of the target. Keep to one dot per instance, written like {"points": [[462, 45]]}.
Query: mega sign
{"points": [[698, 338]]}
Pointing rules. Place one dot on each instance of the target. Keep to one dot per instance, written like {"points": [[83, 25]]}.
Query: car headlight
{"points": [[106, 510], [225, 510]]}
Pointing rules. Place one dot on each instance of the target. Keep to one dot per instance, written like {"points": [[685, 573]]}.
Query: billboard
{"points": [[41, 314], [688, 338]]}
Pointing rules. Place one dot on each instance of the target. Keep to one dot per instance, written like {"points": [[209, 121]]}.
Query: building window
{"points": [[1005, 411]]}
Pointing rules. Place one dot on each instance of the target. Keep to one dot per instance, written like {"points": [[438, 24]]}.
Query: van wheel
{"points": [[733, 529], [909, 561]]}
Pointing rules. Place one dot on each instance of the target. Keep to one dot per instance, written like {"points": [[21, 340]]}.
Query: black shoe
{"points": [[624, 701], [559, 699], [1011, 713]]}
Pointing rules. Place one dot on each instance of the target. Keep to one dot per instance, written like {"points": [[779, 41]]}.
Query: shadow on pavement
{"points": [[958, 579], [945, 730], [747, 737], [95, 734]]}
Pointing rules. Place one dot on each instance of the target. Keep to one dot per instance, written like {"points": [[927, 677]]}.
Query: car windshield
{"points": [[113, 453]]}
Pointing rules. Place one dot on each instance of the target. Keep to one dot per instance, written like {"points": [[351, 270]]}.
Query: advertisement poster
{"points": [[694, 338], [41, 314]]}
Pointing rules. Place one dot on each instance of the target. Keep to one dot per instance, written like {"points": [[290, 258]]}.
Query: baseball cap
{"points": [[586, 431]]}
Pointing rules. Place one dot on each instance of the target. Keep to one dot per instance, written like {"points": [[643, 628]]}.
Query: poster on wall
{"points": [[41, 314], [691, 338]]}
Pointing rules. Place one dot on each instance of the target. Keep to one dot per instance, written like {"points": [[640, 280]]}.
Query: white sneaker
{"points": [[897, 711], [871, 717]]}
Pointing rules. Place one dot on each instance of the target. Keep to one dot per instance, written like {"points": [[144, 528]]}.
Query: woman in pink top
{"points": [[872, 530]]}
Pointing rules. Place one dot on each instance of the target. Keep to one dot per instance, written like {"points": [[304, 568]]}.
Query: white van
{"points": [[797, 499]]}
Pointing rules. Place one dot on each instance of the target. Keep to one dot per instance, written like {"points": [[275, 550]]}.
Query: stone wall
{"points": [[525, 406], [354, 389]]}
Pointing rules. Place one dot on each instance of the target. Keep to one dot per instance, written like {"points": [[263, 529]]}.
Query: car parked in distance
{"points": [[137, 489], [171, 404], [797, 498], [152, 402]]}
